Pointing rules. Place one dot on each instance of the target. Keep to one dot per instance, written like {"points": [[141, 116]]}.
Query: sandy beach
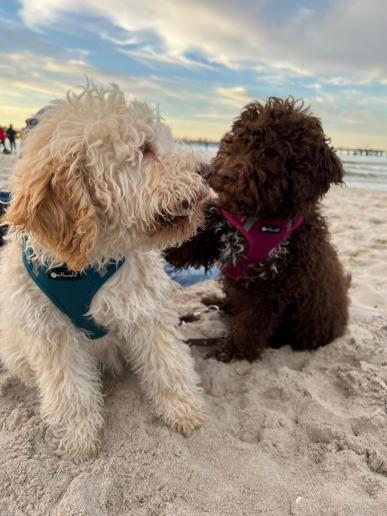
{"points": [[293, 434]]}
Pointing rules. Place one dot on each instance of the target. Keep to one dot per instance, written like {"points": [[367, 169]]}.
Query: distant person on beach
{"points": [[2, 139], [11, 135]]}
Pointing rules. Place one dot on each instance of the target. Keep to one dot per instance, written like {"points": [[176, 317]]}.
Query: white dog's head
{"points": [[100, 176]]}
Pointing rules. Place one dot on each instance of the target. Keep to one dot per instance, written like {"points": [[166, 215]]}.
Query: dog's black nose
{"points": [[185, 204]]}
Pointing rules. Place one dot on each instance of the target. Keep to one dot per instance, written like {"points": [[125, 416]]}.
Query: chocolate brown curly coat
{"points": [[275, 163]]}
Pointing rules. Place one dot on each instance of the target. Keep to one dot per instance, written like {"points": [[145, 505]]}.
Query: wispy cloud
{"points": [[241, 34], [235, 97], [54, 76], [42, 78], [147, 54], [117, 41]]}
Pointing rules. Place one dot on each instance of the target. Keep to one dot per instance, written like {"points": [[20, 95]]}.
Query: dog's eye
{"points": [[270, 153], [146, 149], [227, 174]]}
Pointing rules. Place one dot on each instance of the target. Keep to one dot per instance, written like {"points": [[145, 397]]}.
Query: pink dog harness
{"points": [[262, 235]]}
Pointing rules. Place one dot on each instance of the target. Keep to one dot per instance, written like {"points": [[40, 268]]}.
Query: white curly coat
{"points": [[100, 178]]}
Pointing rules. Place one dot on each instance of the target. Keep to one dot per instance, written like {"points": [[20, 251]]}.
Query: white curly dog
{"points": [[100, 180]]}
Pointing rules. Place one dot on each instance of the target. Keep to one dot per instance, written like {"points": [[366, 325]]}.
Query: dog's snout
{"points": [[227, 173]]}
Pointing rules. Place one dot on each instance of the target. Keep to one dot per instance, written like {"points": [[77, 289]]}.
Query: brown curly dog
{"points": [[282, 278]]}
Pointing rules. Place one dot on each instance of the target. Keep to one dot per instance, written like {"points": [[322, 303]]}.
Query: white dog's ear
{"points": [[53, 204]]}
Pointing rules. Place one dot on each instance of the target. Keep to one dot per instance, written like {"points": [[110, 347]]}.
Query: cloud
{"points": [[148, 54], [203, 60], [346, 81], [53, 76], [117, 41], [235, 97], [33, 81], [218, 31], [28, 82], [329, 100], [326, 41]]}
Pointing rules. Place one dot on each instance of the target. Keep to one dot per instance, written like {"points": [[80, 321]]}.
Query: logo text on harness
{"points": [[63, 274], [270, 229]]}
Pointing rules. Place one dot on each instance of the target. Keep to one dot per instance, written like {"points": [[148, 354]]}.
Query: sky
{"points": [[201, 61]]}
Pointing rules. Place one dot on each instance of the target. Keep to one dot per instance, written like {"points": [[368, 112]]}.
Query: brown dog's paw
{"points": [[216, 300], [222, 355], [223, 352], [189, 318], [203, 342], [227, 353]]}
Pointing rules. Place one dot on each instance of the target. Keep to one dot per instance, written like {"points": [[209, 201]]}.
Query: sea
{"points": [[360, 171]]}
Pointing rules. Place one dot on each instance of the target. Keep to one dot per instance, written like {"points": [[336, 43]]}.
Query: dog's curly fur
{"points": [[274, 163], [100, 178]]}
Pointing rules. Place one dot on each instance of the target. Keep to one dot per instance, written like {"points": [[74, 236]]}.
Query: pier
{"points": [[361, 152], [349, 151], [200, 141]]}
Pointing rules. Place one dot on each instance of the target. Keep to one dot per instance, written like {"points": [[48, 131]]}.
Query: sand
{"points": [[293, 434]]}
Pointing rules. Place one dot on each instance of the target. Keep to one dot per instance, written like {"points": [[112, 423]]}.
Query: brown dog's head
{"points": [[275, 161]]}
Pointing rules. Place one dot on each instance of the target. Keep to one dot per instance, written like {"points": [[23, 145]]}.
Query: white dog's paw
{"points": [[193, 419], [187, 425], [78, 446], [71, 450]]}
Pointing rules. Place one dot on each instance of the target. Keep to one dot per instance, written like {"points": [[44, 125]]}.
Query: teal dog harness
{"points": [[72, 292]]}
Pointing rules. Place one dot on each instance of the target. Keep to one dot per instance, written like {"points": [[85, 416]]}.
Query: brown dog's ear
{"points": [[54, 205], [314, 171], [330, 166]]}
